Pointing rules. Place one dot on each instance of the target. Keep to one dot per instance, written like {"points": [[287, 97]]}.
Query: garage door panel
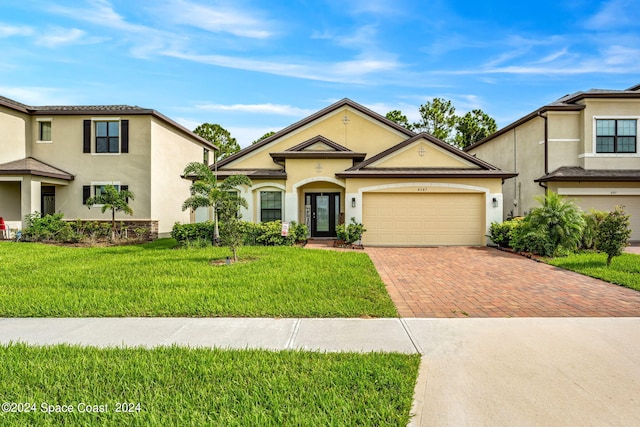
{"points": [[399, 219], [608, 203]]}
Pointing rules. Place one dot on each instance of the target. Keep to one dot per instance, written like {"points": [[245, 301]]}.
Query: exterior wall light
{"points": [[353, 202], [495, 202]]}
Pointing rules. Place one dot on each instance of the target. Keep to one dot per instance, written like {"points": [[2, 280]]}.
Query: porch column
{"points": [[30, 190], [291, 207]]}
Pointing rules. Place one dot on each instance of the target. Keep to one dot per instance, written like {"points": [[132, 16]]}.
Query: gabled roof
{"points": [[100, 109], [331, 108], [300, 151], [565, 103], [574, 174], [31, 166], [484, 169]]}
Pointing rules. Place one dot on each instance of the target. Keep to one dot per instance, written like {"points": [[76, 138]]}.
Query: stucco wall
{"points": [[10, 201], [362, 135], [132, 168], [13, 135], [170, 152]]}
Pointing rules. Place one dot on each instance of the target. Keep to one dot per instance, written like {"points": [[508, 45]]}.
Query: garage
{"points": [[418, 219], [608, 203]]}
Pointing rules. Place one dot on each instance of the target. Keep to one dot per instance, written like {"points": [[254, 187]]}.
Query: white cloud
{"points": [[352, 71], [284, 110], [13, 30], [37, 95], [614, 15], [220, 18], [62, 36]]}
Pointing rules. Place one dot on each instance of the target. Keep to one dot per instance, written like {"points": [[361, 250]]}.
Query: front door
{"points": [[48, 200], [325, 213]]}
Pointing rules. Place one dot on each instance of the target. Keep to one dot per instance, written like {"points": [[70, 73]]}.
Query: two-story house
{"points": [[583, 146], [53, 158], [346, 161]]}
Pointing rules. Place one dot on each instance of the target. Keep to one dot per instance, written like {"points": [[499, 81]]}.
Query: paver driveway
{"points": [[486, 282]]}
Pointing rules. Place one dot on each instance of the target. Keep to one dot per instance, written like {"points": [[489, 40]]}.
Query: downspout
{"points": [[546, 149]]}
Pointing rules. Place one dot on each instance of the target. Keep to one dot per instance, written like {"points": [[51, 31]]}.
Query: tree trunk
{"points": [[113, 225]]}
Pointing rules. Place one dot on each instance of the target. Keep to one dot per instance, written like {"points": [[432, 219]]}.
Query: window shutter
{"points": [[124, 138], [86, 193], [125, 188], [86, 146]]}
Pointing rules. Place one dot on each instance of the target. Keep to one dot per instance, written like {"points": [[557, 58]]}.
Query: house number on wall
{"points": [[421, 189]]}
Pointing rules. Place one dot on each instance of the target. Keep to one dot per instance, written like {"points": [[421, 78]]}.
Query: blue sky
{"points": [[256, 66]]}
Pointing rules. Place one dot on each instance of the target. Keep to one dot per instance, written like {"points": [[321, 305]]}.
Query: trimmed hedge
{"points": [[255, 234]]}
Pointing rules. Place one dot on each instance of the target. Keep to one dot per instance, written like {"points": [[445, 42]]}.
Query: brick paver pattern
{"points": [[486, 282]]}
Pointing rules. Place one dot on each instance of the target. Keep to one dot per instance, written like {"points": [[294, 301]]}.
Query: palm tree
{"points": [[206, 191], [114, 200]]}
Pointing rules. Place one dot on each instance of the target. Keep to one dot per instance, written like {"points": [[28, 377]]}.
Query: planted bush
{"points": [[613, 233], [49, 228], [592, 220], [350, 233], [186, 234], [501, 233]]}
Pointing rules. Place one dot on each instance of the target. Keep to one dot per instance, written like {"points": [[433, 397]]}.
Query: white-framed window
{"points": [[617, 136], [97, 188], [44, 130], [270, 206], [107, 136]]}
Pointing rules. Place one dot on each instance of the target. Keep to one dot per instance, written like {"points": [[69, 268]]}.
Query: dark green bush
{"points": [[350, 233], [500, 233], [49, 228], [613, 233], [527, 238], [592, 220], [185, 233]]}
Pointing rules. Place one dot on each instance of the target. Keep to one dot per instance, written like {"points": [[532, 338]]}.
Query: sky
{"points": [[259, 66]]}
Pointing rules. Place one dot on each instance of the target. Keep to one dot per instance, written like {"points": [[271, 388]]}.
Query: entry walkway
{"points": [[480, 372], [485, 282]]}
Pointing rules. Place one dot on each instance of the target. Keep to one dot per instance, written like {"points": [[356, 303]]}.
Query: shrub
{"points": [[185, 233], [560, 220], [501, 233], [49, 228], [592, 220], [613, 233], [350, 233], [526, 238]]}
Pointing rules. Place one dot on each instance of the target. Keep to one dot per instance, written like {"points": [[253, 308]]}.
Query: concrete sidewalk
{"points": [[480, 372]]}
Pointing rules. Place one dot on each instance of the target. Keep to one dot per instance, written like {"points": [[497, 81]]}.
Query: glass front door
{"points": [[325, 213]]}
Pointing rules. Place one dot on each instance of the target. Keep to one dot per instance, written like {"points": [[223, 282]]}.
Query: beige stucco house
{"points": [[347, 161], [583, 146], [53, 158]]}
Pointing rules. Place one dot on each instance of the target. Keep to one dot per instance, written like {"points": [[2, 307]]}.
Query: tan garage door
{"points": [[410, 219], [607, 203]]}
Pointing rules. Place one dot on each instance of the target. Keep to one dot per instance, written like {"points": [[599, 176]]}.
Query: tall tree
{"points": [[206, 191], [265, 136], [437, 118], [216, 134], [396, 116], [472, 127], [113, 200]]}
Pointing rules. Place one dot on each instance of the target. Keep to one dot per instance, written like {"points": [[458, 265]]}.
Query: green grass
{"points": [[624, 270], [156, 280], [183, 387]]}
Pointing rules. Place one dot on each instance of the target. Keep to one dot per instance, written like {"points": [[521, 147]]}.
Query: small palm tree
{"points": [[206, 191], [561, 220], [114, 200]]}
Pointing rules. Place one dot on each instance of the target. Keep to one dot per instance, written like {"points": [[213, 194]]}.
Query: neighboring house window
{"points": [[270, 206], [616, 136], [107, 137], [44, 130], [97, 189]]}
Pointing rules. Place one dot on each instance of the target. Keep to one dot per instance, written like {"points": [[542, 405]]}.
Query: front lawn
{"points": [[181, 387], [156, 280], [624, 270]]}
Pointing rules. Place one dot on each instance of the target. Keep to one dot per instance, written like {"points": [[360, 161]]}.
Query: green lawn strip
{"points": [[624, 270], [183, 386], [157, 280]]}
